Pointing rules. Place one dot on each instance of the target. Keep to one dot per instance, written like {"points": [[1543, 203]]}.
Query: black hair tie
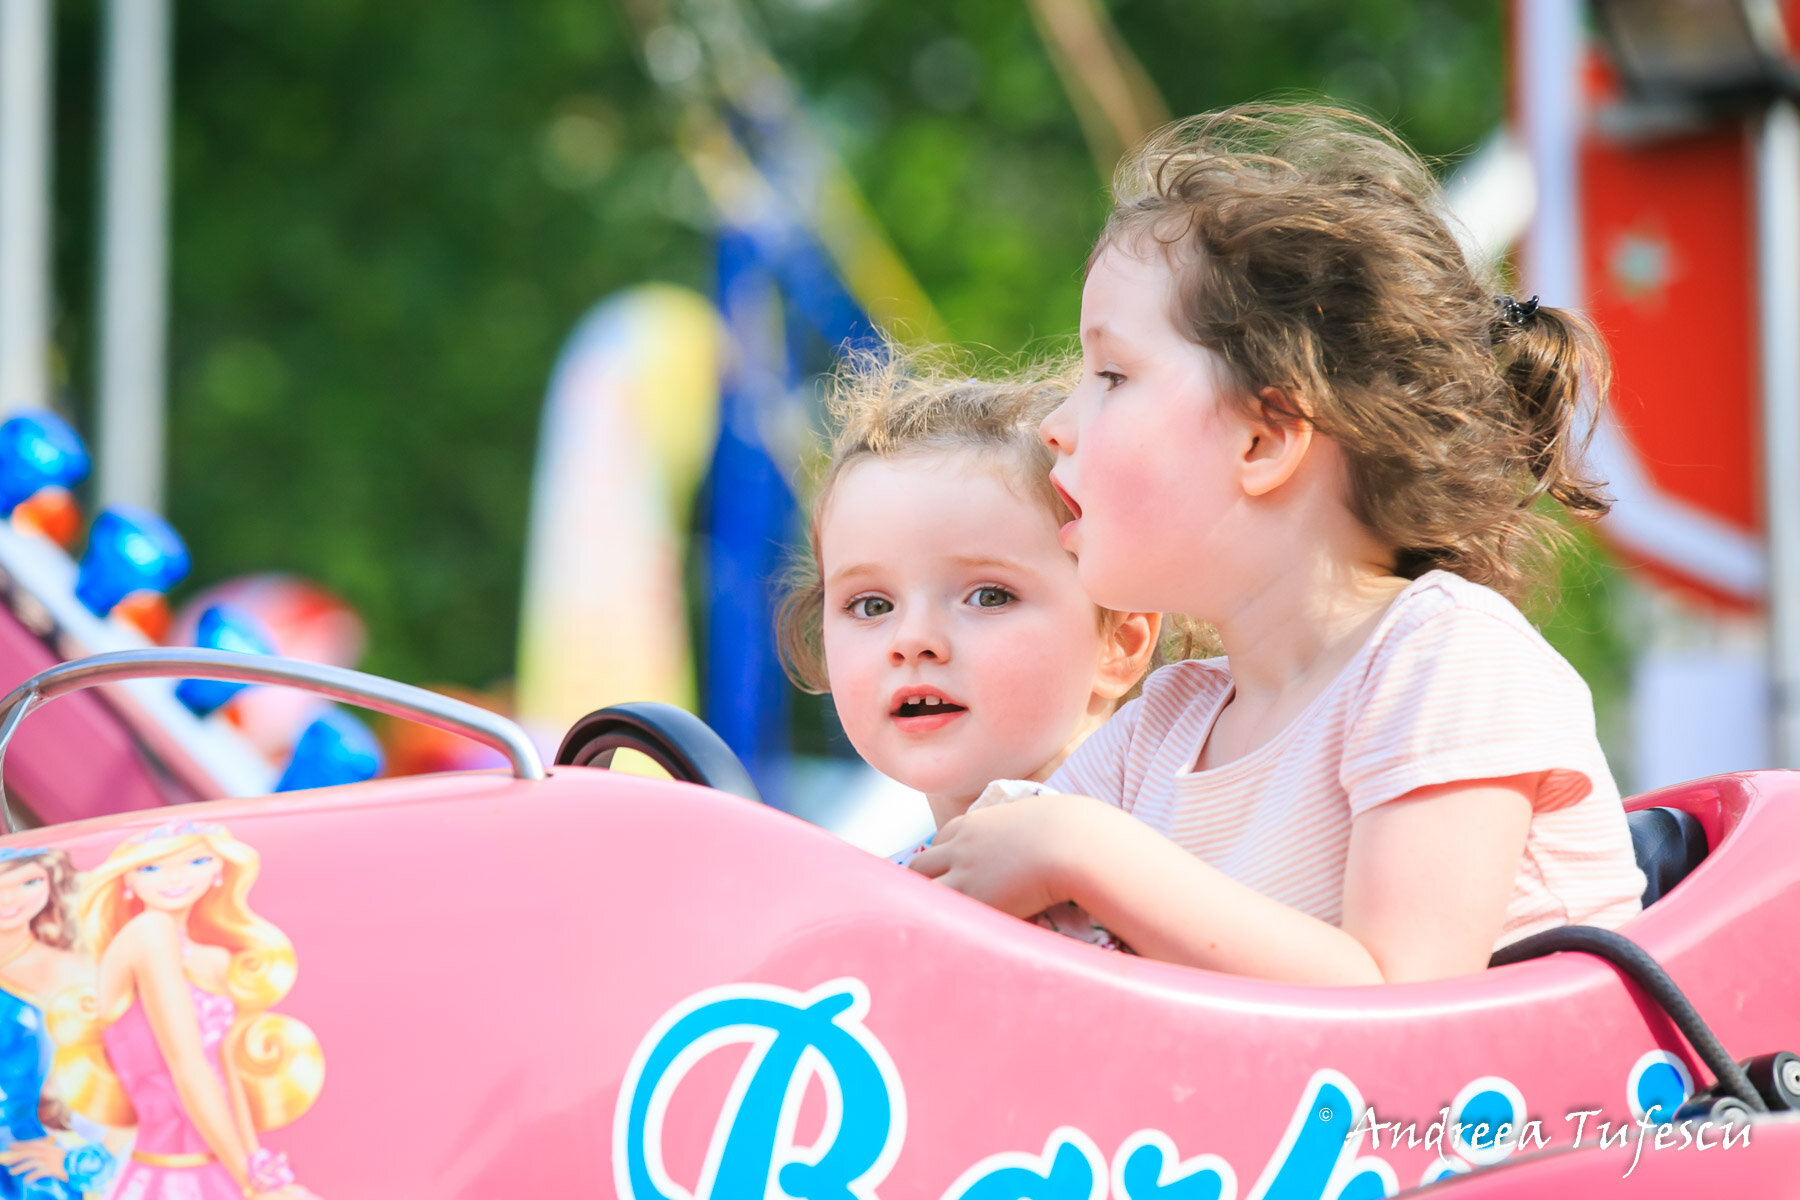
{"points": [[1519, 316]]}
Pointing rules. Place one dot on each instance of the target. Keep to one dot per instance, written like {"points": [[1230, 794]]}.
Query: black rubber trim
{"points": [[1637, 965], [1668, 844], [675, 739]]}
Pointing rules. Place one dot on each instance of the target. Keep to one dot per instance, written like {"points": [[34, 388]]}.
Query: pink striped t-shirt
{"points": [[1454, 684]]}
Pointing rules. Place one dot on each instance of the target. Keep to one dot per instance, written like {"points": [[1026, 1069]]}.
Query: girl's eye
{"points": [[36, 883], [990, 596], [870, 606], [202, 861], [147, 870], [1113, 379]]}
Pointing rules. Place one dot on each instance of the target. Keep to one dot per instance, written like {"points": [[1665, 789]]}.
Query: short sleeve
{"points": [[1097, 768], [1466, 695]]}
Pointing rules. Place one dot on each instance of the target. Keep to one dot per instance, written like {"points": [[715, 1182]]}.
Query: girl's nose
{"points": [[1057, 430], [919, 636]]}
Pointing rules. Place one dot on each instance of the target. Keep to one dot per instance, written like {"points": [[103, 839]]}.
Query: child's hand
{"points": [[1014, 857]]}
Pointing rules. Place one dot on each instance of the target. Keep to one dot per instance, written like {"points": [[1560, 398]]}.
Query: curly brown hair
{"points": [[1312, 252], [892, 403]]}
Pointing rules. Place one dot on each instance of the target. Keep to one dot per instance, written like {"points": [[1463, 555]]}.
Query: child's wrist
{"points": [[1076, 827]]}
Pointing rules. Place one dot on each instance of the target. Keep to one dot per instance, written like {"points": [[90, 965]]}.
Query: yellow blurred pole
{"points": [[737, 67], [871, 269], [1114, 99]]}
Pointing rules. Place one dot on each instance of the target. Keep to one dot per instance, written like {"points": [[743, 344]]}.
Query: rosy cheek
{"points": [[1022, 687], [850, 685]]}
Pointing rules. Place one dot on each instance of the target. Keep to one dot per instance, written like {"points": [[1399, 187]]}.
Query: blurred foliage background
{"points": [[387, 216]]}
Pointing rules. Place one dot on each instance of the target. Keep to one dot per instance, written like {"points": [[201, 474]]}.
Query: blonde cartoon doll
{"points": [[44, 1159], [181, 1044]]}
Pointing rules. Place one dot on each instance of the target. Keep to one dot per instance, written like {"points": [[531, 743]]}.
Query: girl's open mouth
{"points": [[929, 707], [923, 709]]}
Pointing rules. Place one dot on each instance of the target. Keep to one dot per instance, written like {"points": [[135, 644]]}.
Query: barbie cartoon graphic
{"points": [[180, 1043], [40, 973]]}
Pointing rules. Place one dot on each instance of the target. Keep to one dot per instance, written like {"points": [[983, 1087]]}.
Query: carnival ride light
{"points": [[38, 450], [222, 627], [129, 549], [336, 748]]}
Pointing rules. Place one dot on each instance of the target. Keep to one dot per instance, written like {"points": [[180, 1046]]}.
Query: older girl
{"points": [[1306, 418]]}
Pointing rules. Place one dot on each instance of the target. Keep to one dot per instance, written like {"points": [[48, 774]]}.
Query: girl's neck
{"points": [[945, 806], [1303, 621]]}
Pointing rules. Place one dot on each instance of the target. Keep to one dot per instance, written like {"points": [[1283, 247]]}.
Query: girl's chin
{"points": [[1120, 595], [1098, 583], [955, 791]]}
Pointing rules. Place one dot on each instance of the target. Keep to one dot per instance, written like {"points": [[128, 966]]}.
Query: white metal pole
{"points": [[134, 253], [24, 204], [1549, 104], [1778, 291]]}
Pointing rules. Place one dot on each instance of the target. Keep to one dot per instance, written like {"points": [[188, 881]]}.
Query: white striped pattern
{"points": [[1453, 685]]}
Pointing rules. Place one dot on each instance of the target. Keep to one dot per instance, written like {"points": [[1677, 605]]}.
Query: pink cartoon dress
{"points": [[170, 1160]]}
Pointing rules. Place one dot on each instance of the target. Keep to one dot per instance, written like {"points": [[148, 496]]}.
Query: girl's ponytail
{"points": [[1556, 365]]}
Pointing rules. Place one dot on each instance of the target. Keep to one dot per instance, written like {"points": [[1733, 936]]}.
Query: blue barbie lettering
{"points": [[1070, 1168], [798, 1038], [793, 1038]]}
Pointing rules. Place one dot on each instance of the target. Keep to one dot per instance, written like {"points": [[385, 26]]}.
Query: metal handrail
{"points": [[339, 683]]}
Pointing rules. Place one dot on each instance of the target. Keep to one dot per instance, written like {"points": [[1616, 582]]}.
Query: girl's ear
{"points": [[1129, 643], [1279, 438]]}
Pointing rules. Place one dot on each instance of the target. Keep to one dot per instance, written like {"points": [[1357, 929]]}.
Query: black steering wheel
{"points": [[673, 738]]}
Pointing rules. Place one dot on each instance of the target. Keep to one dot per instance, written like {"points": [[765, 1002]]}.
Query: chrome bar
{"points": [[338, 683], [14, 718], [207, 758]]}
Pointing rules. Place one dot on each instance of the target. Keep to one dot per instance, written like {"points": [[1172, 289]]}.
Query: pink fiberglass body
{"points": [[603, 985]]}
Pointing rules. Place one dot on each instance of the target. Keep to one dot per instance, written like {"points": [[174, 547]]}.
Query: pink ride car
{"points": [[575, 983]]}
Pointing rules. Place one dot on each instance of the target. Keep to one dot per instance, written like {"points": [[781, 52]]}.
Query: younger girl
{"points": [[1305, 419], [938, 609]]}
